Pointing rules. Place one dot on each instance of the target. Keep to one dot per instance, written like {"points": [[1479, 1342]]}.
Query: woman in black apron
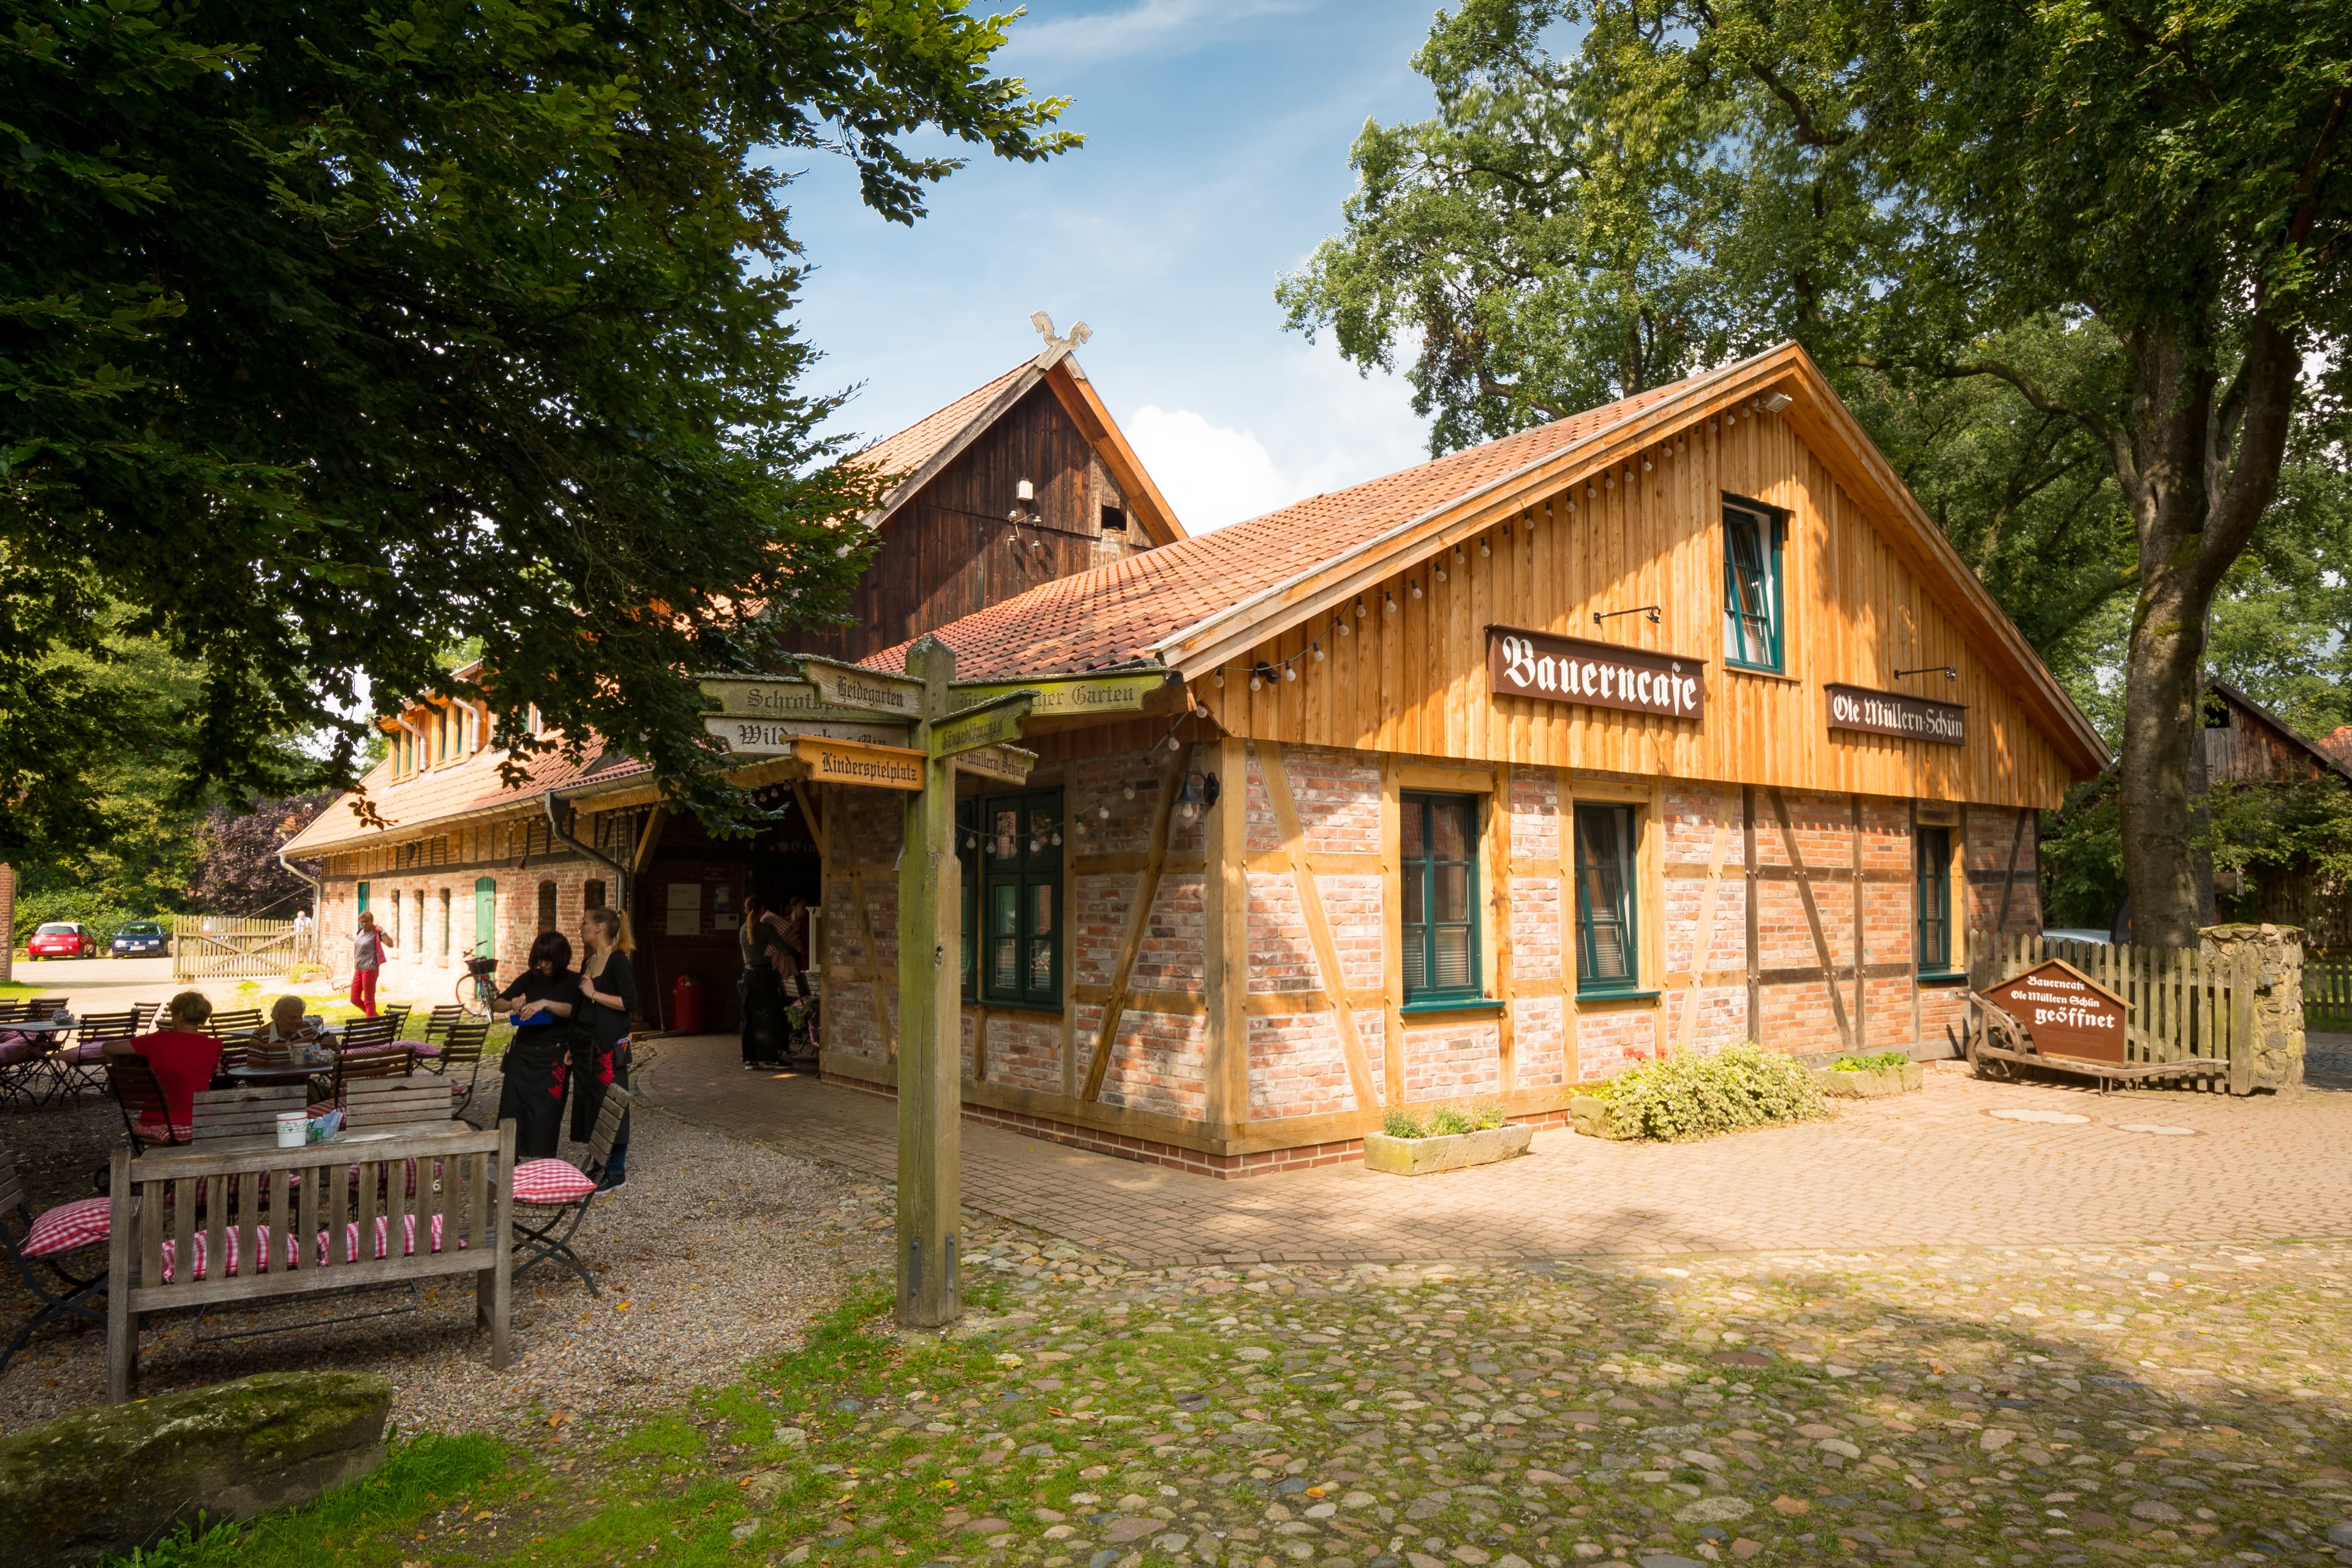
{"points": [[546, 1001], [608, 987]]}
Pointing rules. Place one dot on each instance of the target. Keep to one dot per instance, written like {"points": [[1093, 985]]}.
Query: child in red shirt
{"points": [[182, 1059]]}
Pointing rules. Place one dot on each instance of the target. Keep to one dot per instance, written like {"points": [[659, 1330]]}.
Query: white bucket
{"points": [[293, 1129]]}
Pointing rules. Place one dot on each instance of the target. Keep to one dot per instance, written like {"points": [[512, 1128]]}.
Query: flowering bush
{"points": [[1682, 1095]]}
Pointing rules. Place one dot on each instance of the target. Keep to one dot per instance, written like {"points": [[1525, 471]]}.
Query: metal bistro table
{"points": [[293, 1072]]}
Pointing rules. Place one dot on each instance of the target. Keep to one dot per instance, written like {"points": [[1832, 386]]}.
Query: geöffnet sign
{"points": [[1521, 663]]}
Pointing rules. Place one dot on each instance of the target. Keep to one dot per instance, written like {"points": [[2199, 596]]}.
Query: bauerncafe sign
{"points": [[1596, 674], [1897, 713]]}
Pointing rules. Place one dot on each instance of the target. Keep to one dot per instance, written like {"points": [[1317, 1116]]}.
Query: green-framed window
{"points": [[1608, 936], [363, 899], [1011, 846], [1439, 853], [1933, 880], [1752, 600]]}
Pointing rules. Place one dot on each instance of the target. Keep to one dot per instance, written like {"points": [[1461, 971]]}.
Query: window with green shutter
{"points": [[1439, 877], [1751, 588], [1932, 878], [1608, 956], [1010, 847]]}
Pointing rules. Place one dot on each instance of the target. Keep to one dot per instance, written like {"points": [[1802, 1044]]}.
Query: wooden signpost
{"points": [[877, 731]]}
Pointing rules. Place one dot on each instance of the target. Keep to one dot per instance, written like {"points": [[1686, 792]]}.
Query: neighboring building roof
{"points": [[451, 793], [1199, 603], [927, 446], [2323, 756]]}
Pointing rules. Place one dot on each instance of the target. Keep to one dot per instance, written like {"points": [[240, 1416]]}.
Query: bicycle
{"points": [[476, 992]]}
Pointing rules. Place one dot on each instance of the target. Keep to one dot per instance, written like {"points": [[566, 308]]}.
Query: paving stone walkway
{"points": [[1936, 1169]]}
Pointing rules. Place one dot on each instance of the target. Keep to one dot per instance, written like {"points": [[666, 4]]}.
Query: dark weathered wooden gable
{"points": [[956, 546]]}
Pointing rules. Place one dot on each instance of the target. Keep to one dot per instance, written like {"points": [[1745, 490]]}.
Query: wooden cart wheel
{"points": [[1984, 1023]]}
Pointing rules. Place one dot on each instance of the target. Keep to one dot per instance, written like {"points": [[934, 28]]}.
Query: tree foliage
{"points": [[332, 336], [2069, 260]]}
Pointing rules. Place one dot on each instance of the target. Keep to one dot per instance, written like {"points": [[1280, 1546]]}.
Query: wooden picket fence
{"points": [[2182, 1004], [2328, 992], [207, 947]]}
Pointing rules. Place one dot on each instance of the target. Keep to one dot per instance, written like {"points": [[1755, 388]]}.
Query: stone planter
{"points": [[1452, 1152], [1591, 1114], [1874, 1084]]}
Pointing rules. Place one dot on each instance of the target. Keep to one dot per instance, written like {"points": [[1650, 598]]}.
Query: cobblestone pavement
{"points": [[2017, 1406], [1945, 1167]]}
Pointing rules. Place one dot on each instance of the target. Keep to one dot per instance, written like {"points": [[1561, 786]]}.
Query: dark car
{"points": [[141, 939]]}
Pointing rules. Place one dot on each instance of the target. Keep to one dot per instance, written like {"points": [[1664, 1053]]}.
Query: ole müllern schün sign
{"points": [[1897, 713]]}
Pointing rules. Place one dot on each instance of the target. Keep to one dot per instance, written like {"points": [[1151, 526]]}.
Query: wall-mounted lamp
{"points": [[1776, 401], [1649, 610], [1198, 793], [1950, 673]]}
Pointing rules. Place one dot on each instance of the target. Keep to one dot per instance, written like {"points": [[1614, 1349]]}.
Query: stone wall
{"points": [[2278, 997]]}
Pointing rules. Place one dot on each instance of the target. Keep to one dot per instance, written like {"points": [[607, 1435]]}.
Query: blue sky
{"points": [[1216, 157]]}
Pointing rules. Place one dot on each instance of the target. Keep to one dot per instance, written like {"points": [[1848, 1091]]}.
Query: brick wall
{"points": [[1610, 1039], [1459, 1060], [863, 825], [1989, 835], [422, 968]]}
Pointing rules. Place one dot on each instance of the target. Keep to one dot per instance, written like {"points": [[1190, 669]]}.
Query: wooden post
{"points": [[2245, 973], [1226, 933], [930, 948]]}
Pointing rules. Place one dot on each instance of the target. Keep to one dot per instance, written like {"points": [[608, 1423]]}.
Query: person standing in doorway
{"points": [[546, 999], [369, 945], [608, 989], [762, 1006]]}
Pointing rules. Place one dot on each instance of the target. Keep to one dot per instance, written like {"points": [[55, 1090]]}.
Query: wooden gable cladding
{"points": [[1414, 680], [953, 547]]}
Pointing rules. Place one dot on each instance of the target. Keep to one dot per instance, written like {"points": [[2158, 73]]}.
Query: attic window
{"points": [[1113, 519]]}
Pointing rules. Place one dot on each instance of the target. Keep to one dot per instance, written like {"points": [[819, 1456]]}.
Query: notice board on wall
{"points": [[684, 910]]}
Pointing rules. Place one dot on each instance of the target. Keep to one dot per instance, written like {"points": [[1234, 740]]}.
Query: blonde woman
{"points": [[608, 994]]}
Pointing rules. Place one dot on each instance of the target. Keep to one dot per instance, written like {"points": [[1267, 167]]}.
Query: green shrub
{"points": [[1873, 1062], [1450, 1122], [1682, 1095], [1399, 1123]]}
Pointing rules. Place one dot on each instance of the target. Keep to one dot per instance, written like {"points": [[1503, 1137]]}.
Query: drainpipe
{"points": [[318, 901], [555, 831]]}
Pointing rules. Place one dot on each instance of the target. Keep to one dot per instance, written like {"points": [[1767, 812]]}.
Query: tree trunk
{"points": [[2197, 467]]}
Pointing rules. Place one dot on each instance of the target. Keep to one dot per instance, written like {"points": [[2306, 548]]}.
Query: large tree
{"points": [[2082, 265], [333, 336]]}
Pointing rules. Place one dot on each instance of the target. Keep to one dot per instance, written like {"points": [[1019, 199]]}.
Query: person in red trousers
{"points": [[368, 947]]}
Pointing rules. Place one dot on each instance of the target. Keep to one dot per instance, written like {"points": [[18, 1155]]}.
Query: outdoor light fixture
{"points": [[1589, 492], [1457, 554], [1130, 790], [1289, 671], [1391, 599], [1198, 793], [1259, 674], [1485, 548], [1440, 573], [1416, 588], [1775, 402], [1360, 606], [1951, 672], [1318, 647], [1339, 624], [1024, 491], [1103, 812]]}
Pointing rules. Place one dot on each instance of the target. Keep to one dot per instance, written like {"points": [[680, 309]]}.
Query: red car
{"points": [[62, 939]]}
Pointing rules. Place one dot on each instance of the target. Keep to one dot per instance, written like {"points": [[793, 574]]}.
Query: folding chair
{"points": [[77, 1066], [27, 1075], [398, 1013], [146, 1115], [549, 1194], [366, 1034], [439, 1021], [12, 1007], [29, 1240], [461, 1053], [234, 1023], [352, 1066], [249, 1111]]}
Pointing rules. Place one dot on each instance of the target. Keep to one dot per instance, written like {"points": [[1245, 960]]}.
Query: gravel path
{"points": [[717, 1253]]}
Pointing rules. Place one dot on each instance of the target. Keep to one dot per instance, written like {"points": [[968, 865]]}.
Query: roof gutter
{"points": [[555, 831], [318, 897]]}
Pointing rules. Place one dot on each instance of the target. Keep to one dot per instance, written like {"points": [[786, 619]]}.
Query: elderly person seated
{"points": [[272, 1045]]}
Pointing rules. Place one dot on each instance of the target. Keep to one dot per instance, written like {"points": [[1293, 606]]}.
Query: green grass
{"points": [[1874, 1062]]}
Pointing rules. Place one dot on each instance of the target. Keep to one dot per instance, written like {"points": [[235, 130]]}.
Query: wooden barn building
{"points": [[2246, 744], [1674, 724], [1020, 480]]}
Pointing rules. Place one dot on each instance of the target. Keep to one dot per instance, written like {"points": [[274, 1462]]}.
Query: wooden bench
{"points": [[240, 1247]]}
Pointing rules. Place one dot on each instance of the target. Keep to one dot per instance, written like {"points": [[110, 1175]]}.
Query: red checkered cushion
{"points": [[83, 1223], [231, 1245], [551, 1182]]}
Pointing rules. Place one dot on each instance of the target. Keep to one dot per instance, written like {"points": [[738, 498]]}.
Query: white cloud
{"points": [[1160, 26], [1327, 427]]}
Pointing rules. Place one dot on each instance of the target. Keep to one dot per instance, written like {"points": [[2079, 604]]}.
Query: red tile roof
{"points": [[464, 788], [1114, 613], [925, 438]]}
